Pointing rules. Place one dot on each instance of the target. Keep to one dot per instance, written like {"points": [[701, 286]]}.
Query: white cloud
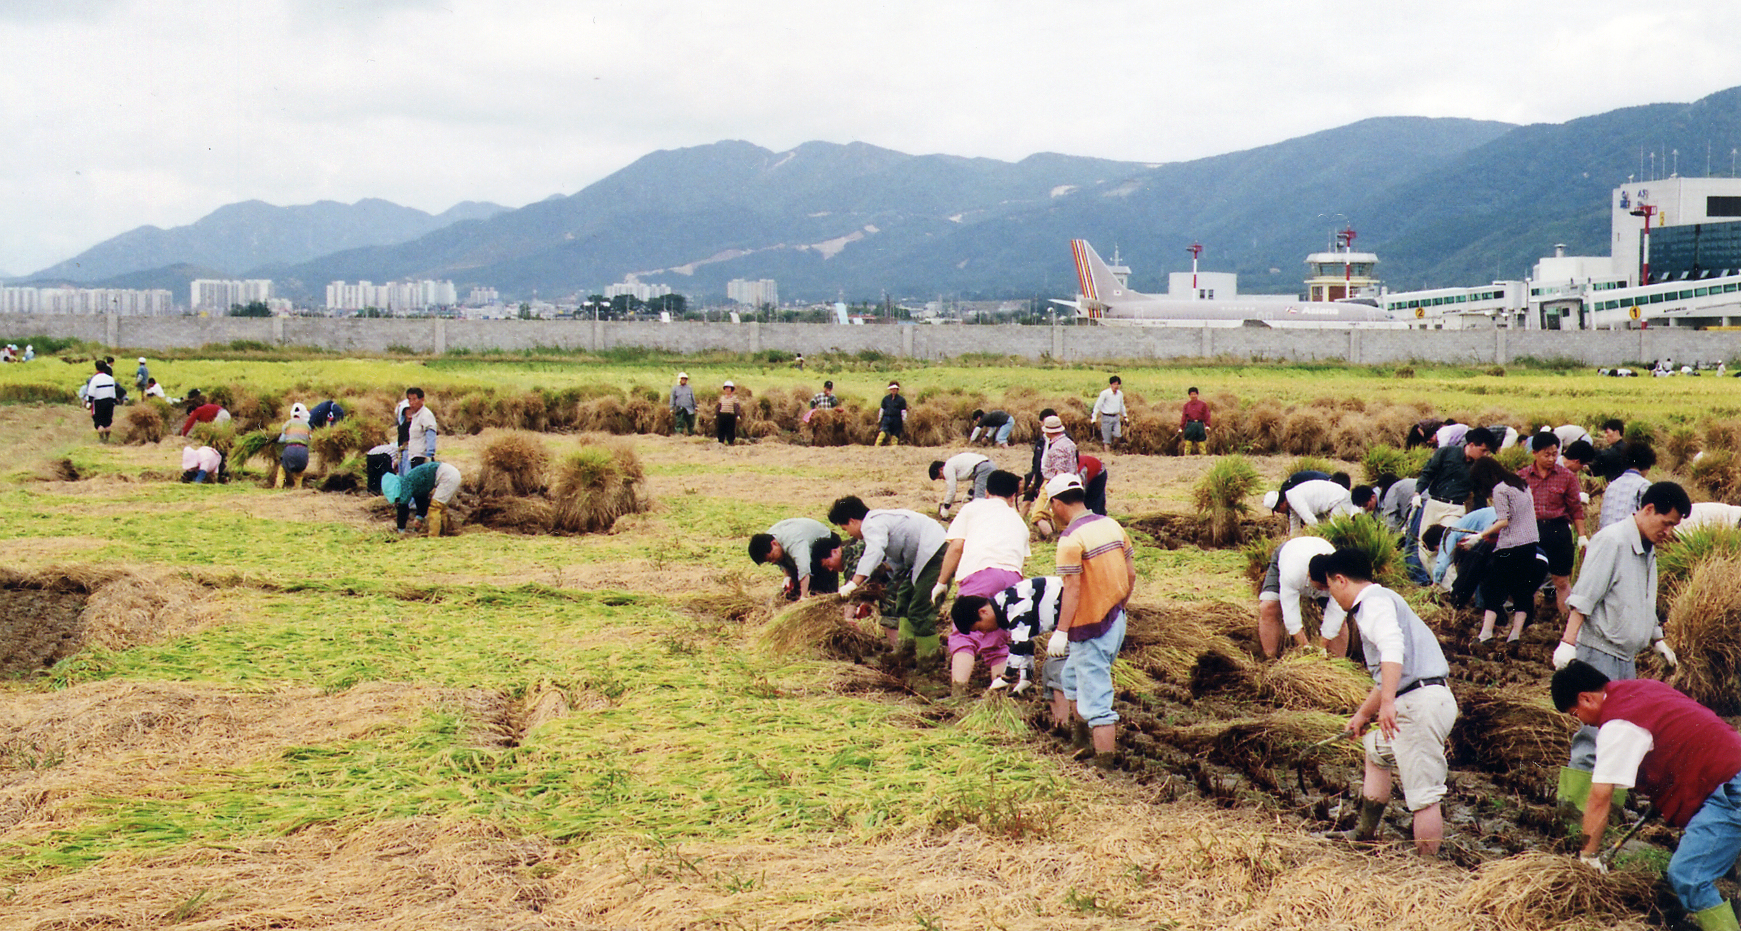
{"points": [[129, 113]]}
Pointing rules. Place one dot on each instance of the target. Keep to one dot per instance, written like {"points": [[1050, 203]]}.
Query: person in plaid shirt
{"points": [[1559, 511]]}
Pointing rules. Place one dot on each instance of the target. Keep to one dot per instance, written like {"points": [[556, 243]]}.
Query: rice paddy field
{"points": [[237, 707]]}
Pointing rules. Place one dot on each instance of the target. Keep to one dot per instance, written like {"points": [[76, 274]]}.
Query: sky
{"points": [[124, 113]]}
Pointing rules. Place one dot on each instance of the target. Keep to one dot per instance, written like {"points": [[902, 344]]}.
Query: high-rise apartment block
{"points": [[639, 290], [397, 295], [211, 295], [753, 293], [124, 301]]}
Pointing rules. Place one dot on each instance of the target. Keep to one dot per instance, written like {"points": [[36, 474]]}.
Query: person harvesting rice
{"points": [[295, 437], [1652, 738]]}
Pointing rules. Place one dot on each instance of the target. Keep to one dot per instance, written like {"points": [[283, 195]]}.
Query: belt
{"points": [[1419, 683]]}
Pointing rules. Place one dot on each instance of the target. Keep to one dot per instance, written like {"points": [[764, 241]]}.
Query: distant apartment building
{"points": [[396, 295], [753, 293], [124, 301], [482, 297], [211, 295], [637, 289]]}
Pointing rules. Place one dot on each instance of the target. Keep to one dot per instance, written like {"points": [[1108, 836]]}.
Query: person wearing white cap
{"points": [[1309, 502], [893, 421], [725, 416], [141, 376], [1098, 565], [683, 406], [295, 436]]}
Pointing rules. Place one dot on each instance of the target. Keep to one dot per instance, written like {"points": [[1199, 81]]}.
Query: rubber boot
{"points": [[296, 480], [1371, 813], [1719, 917], [437, 517]]}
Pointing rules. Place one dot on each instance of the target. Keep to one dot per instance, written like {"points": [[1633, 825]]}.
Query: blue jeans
{"points": [[1708, 848], [1087, 678]]}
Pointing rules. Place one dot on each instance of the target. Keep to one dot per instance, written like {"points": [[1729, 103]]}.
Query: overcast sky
{"points": [[122, 113]]}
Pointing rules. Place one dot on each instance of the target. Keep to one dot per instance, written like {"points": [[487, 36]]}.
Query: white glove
{"points": [[1593, 861], [938, 590], [1583, 542], [999, 683], [1059, 644], [1668, 653], [1584, 496], [1564, 654], [847, 590], [1022, 686], [943, 511], [1415, 501]]}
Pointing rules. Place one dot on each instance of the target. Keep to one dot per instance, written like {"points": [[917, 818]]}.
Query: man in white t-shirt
{"points": [[1310, 502], [987, 543], [1109, 411], [1287, 582]]}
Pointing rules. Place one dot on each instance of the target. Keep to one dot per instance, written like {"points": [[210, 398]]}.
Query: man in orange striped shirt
{"points": [[1097, 563]]}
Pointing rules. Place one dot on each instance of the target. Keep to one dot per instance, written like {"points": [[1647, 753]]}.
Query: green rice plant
{"points": [[1386, 460], [258, 443], [1676, 560], [1255, 556], [1370, 536], [1311, 464], [336, 442], [998, 715], [1220, 496], [1514, 458]]}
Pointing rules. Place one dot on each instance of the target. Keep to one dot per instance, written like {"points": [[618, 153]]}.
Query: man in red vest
{"points": [[1660, 742]]}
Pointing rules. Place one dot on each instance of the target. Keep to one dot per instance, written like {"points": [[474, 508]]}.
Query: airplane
{"points": [[1102, 298]]}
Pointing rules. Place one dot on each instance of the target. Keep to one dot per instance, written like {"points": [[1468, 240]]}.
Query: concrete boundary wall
{"points": [[931, 343]]}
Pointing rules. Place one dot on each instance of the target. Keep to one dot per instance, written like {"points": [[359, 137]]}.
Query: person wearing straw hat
{"points": [[1059, 458], [683, 406], [892, 422], [1410, 702], [1652, 738], [725, 415], [1097, 563]]}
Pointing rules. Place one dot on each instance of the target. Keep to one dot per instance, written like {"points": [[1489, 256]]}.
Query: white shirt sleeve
{"points": [[1620, 748], [1378, 623], [1334, 618]]}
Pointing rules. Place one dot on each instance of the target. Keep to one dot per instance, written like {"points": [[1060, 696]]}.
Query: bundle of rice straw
{"points": [[1126, 677], [514, 514], [514, 464], [1535, 891], [1310, 680], [333, 443], [1169, 641], [144, 422], [262, 442], [1513, 727], [1704, 627], [814, 627], [1220, 496], [827, 428], [995, 715], [594, 487]]}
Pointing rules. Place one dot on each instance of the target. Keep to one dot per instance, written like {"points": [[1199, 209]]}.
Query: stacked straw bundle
{"points": [[1705, 628], [145, 422], [514, 464], [594, 487], [1220, 497], [333, 444]]}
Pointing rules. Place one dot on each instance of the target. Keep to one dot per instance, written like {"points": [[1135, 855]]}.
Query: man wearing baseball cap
{"points": [[1097, 563], [683, 406]]}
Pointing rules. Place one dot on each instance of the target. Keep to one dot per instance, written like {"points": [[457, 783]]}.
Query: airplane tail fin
{"points": [[1094, 280]]}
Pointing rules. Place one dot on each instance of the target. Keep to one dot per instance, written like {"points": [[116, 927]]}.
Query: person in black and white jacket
{"points": [[100, 398]]}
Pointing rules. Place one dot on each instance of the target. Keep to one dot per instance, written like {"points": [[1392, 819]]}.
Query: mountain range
{"points": [[1442, 201]]}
